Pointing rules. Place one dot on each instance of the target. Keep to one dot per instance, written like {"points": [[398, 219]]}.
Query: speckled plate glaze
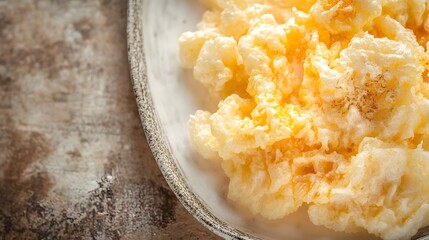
{"points": [[166, 96], [155, 133]]}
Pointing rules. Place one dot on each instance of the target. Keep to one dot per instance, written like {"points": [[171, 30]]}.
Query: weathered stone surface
{"points": [[74, 162]]}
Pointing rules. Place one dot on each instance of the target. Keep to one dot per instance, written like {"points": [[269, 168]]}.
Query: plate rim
{"points": [[157, 140]]}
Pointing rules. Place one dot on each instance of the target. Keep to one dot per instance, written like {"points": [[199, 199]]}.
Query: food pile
{"points": [[324, 103]]}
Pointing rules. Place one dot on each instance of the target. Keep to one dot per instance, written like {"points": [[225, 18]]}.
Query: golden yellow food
{"points": [[324, 103]]}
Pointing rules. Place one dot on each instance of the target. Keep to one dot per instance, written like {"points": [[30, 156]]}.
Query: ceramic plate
{"points": [[166, 96]]}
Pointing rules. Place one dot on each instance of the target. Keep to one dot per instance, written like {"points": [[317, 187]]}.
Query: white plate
{"points": [[166, 96]]}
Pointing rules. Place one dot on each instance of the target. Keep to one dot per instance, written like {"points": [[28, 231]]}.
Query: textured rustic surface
{"points": [[74, 162]]}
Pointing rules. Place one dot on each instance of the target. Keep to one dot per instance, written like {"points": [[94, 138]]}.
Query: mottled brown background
{"points": [[74, 162]]}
